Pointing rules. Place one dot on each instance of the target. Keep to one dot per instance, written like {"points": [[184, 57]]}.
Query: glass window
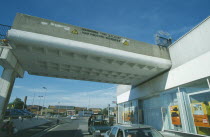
{"points": [[142, 132], [120, 113], [113, 132], [134, 112], [120, 133], [128, 112], [127, 115], [171, 111], [200, 107]]}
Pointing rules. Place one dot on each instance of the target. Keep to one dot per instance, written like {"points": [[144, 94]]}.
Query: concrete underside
{"points": [[48, 48]]}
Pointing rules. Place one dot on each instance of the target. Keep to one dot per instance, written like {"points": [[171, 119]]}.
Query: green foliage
{"points": [[105, 111], [76, 112], [17, 104]]}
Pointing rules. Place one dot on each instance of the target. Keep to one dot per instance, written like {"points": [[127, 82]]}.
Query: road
{"points": [[70, 128]]}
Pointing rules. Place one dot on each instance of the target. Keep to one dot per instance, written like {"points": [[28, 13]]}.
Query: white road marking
{"points": [[52, 128]]}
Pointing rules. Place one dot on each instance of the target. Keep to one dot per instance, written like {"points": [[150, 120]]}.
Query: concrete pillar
{"points": [[6, 85]]}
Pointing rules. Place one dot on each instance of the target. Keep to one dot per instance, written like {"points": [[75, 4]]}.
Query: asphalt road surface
{"points": [[70, 128]]}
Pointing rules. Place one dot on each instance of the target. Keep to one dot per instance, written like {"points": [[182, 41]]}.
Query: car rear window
{"points": [[100, 123], [142, 132]]}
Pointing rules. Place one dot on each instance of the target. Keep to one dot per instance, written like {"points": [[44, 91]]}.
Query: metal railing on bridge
{"points": [[3, 31]]}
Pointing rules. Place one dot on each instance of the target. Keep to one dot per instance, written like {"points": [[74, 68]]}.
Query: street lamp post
{"points": [[44, 95], [58, 107], [39, 104]]}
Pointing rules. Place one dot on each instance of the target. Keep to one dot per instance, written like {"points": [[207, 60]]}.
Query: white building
{"points": [[177, 100]]}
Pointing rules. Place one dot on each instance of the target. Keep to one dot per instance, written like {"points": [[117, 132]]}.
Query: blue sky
{"points": [[135, 19]]}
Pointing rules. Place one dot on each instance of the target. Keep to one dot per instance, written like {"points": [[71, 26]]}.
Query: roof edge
{"points": [[190, 31]]}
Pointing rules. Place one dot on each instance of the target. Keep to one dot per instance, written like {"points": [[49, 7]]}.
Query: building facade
{"points": [[177, 100]]}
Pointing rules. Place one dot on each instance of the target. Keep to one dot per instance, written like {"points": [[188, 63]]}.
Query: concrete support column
{"points": [[6, 85]]}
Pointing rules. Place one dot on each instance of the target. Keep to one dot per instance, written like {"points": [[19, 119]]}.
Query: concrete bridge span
{"points": [[48, 48]]}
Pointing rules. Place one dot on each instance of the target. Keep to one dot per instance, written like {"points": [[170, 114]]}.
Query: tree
{"points": [[105, 111], [17, 104]]}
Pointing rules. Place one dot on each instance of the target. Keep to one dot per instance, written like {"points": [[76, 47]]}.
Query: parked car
{"points": [[133, 130], [15, 113], [27, 113], [98, 127], [74, 117], [12, 113], [98, 116]]}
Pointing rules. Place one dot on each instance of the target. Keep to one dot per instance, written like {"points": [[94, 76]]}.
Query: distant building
{"points": [[95, 110], [70, 112], [85, 113], [80, 108], [34, 108], [58, 109]]}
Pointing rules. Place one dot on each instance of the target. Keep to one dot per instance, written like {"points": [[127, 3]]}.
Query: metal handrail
{"points": [[3, 31]]}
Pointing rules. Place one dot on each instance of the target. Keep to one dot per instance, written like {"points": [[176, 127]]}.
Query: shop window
{"points": [[152, 112], [120, 112], [134, 112], [140, 112], [128, 112], [171, 115], [200, 107]]}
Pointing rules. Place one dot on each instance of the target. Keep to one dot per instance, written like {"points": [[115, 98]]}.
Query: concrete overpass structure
{"points": [[48, 48]]}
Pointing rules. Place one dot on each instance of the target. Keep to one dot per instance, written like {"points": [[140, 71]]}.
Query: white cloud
{"points": [[39, 89], [18, 87]]}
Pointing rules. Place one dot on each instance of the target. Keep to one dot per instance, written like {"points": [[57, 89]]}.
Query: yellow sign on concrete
{"points": [[126, 43], [74, 31]]}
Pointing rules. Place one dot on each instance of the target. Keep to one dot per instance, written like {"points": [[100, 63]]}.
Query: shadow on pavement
{"points": [[29, 132]]}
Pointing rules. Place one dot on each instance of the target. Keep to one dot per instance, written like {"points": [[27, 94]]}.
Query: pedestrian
{"points": [[11, 128], [5, 126], [89, 120], [57, 121]]}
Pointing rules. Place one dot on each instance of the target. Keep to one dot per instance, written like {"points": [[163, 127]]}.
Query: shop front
{"points": [[128, 112], [182, 109], [187, 108]]}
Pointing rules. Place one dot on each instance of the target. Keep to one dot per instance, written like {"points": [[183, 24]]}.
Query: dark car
{"points": [[13, 113], [27, 113], [97, 127]]}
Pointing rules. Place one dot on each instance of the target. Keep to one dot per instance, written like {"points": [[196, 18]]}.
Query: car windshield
{"points": [[100, 123], [99, 117], [142, 132]]}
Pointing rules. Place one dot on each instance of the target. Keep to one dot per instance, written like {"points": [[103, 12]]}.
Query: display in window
{"points": [[127, 116], [175, 115], [201, 114]]}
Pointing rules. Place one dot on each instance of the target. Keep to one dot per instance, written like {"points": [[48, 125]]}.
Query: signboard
{"points": [[175, 115], [201, 114]]}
